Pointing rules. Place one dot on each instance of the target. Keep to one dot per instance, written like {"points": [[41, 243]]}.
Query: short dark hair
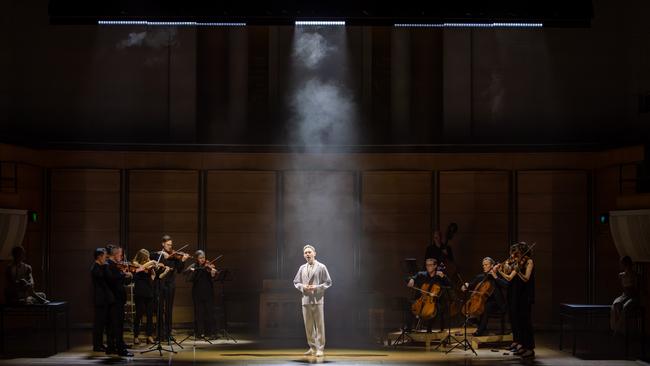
{"points": [[626, 261], [99, 252], [112, 248], [165, 238]]}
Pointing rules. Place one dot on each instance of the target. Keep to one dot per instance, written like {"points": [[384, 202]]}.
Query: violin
{"points": [[178, 254], [125, 266]]}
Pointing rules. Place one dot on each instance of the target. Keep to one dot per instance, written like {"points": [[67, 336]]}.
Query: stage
{"points": [[255, 351]]}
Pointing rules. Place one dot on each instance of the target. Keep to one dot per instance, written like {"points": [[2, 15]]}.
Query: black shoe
{"points": [[528, 354], [99, 349], [111, 351], [478, 334], [125, 353]]}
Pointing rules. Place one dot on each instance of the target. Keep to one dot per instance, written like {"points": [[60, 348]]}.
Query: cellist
{"points": [[430, 276], [495, 301]]}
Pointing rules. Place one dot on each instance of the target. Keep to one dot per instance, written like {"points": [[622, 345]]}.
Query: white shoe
{"points": [[309, 352], [320, 353]]}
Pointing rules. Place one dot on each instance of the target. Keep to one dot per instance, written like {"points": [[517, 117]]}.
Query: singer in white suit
{"points": [[312, 280]]}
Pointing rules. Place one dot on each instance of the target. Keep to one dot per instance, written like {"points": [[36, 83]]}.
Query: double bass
{"points": [[426, 306]]}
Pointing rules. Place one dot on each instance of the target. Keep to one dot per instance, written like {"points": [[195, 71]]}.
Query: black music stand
{"points": [[410, 269], [465, 343], [222, 277]]}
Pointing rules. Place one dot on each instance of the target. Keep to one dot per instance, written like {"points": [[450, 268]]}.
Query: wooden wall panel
{"points": [[396, 224], [319, 208], [478, 201], [85, 215], [552, 209], [241, 225], [165, 202]]}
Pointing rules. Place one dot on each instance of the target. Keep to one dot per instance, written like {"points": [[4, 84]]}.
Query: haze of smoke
{"points": [[155, 39], [324, 113], [311, 48]]}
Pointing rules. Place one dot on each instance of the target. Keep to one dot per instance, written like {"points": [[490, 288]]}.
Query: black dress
{"points": [[521, 296], [116, 281], [143, 297]]}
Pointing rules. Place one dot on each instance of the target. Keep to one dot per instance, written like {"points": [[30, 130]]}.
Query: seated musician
{"points": [[495, 303], [20, 282], [628, 299], [430, 276]]}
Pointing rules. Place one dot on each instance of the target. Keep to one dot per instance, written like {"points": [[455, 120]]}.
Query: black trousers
{"points": [[203, 315], [111, 327], [143, 307], [99, 325], [167, 293], [119, 325], [491, 307]]}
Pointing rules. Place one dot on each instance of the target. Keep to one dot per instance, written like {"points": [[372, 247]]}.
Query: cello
{"points": [[475, 305], [426, 306]]}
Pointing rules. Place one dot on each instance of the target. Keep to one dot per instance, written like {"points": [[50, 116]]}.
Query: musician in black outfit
{"points": [[117, 279], [439, 250], [202, 276], [176, 264], [521, 296], [143, 292], [496, 302], [431, 276], [102, 299]]}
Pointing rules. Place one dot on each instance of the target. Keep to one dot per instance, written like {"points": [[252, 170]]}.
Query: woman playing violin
{"points": [[486, 289], [143, 293], [202, 275], [519, 271]]}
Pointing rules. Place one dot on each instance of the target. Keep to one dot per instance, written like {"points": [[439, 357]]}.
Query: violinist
{"points": [[202, 275], [495, 301], [143, 294], [519, 272], [176, 262], [103, 299], [431, 276], [117, 279]]}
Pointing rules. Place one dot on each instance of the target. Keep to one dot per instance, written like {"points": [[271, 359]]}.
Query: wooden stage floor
{"points": [[251, 351]]}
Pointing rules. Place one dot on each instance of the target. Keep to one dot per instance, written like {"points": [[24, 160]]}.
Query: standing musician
{"points": [[103, 299], [175, 261], [143, 294], [519, 272], [117, 279], [495, 301], [202, 275], [439, 250], [431, 276]]}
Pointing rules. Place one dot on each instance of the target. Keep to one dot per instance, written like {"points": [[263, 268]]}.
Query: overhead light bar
{"points": [[170, 24], [469, 25], [318, 23]]}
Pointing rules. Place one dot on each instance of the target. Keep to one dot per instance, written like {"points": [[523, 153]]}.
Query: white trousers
{"points": [[312, 314]]}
